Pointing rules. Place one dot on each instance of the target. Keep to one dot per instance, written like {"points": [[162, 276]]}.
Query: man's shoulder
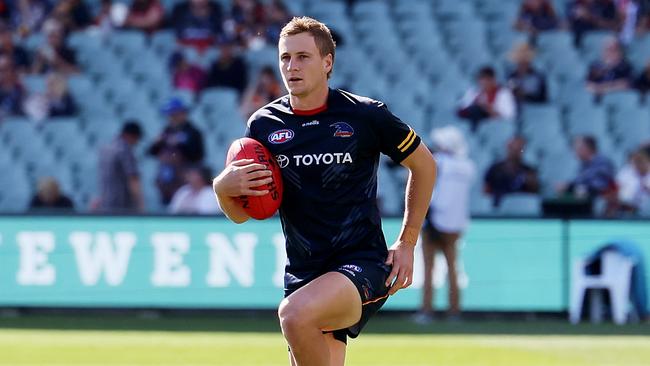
{"points": [[345, 98], [272, 111]]}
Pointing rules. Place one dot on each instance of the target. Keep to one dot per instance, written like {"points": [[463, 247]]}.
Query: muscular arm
{"points": [[422, 176]]}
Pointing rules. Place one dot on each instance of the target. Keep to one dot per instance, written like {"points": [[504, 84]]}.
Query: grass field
{"points": [[248, 340]]}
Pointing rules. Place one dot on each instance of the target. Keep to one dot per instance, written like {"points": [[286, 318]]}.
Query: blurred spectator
{"points": [[5, 10], [12, 93], [103, 17], [527, 83], [642, 82], [245, 17], [628, 11], [633, 182], [186, 76], [276, 16], [643, 18], [178, 147], [448, 216], [60, 101], [229, 70], [612, 72], [73, 14], [145, 15], [56, 102], [588, 15], [49, 197], [55, 55], [512, 174], [489, 100], [596, 175], [29, 15], [119, 177], [196, 196], [15, 51], [536, 16], [266, 89], [197, 23]]}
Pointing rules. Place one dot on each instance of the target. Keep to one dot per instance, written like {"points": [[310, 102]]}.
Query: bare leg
{"points": [[450, 252], [428, 254], [329, 302], [337, 350]]}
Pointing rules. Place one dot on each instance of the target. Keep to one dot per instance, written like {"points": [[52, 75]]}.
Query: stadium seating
{"points": [[520, 204], [418, 56]]}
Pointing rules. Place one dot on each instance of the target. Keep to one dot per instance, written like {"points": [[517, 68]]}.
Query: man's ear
{"points": [[328, 63]]}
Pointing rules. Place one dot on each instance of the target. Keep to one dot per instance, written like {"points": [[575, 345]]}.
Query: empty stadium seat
{"points": [[495, 133], [587, 120], [621, 100], [453, 9], [556, 168], [520, 204], [631, 126], [593, 43]]}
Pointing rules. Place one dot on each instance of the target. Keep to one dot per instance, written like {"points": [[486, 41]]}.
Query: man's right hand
{"points": [[240, 177]]}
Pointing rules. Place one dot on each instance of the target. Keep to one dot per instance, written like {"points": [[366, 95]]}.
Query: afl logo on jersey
{"points": [[281, 136], [342, 129]]}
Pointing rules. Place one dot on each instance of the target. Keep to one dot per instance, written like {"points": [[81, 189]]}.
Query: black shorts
{"points": [[369, 277]]}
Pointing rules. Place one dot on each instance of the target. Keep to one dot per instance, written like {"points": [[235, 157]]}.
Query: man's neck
{"points": [[314, 100]]}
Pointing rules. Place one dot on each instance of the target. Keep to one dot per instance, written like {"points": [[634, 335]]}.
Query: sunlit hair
{"points": [[322, 35]]}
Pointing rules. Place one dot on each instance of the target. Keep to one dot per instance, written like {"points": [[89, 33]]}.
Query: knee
{"points": [[292, 318]]}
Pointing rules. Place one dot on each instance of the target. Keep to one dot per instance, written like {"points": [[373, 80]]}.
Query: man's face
{"points": [[486, 82], [177, 118], [515, 148], [6, 39], [6, 70], [303, 69], [612, 53]]}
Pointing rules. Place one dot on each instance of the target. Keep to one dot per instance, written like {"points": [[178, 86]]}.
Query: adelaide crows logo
{"points": [[342, 129]]}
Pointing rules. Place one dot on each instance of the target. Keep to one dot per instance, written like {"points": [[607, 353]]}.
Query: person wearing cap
{"points": [[527, 84], [119, 177], [448, 216], [179, 146]]}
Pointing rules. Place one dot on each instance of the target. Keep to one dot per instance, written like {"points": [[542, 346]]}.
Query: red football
{"points": [[258, 207]]}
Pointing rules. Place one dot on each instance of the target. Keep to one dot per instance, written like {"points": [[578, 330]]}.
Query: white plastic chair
{"points": [[615, 276]]}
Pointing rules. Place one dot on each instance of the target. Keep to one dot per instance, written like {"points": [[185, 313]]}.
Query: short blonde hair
{"points": [[322, 35]]}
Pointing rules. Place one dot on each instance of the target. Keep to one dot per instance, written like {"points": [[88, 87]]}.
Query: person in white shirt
{"points": [[633, 182], [489, 100], [196, 196], [448, 216]]}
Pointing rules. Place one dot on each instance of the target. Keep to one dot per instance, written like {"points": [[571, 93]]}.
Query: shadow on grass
{"points": [[240, 321]]}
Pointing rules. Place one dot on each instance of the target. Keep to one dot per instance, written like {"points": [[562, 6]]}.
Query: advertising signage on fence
{"points": [[212, 263]]}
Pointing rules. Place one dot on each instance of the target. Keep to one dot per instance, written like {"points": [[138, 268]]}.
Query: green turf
{"points": [[243, 340]]}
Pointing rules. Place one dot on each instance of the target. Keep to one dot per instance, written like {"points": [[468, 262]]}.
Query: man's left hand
{"points": [[400, 256]]}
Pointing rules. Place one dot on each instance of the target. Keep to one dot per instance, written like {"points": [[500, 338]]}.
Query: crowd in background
{"points": [[622, 192], [183, 179]]}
